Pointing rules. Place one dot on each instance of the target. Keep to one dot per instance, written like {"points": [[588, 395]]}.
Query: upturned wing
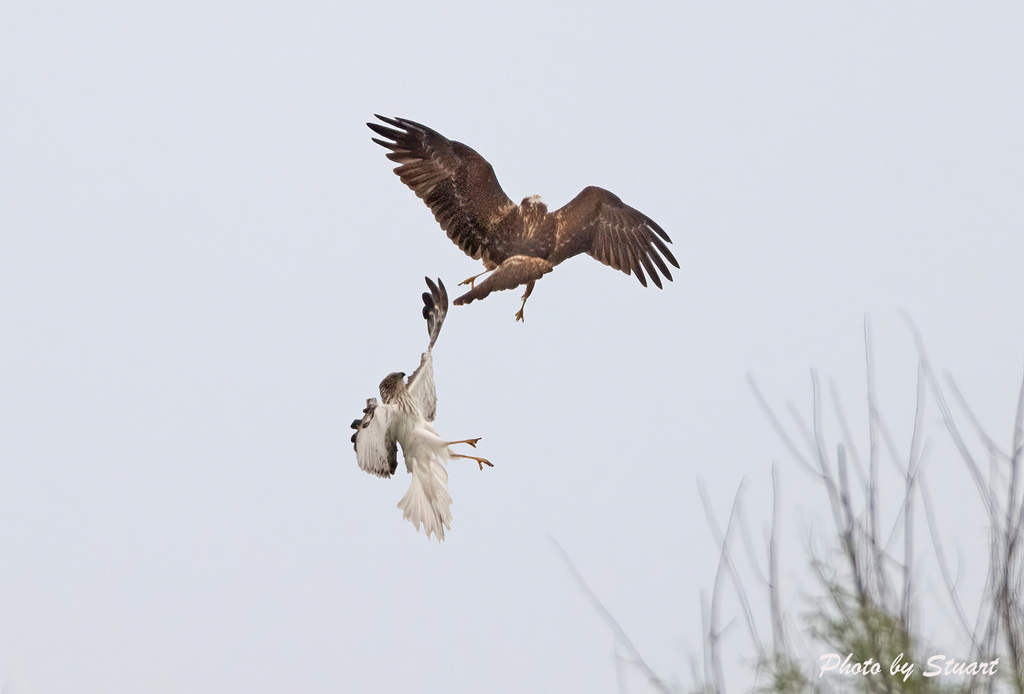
{"points": [[598, 223], [375, 444], [421, 383], [456, 183], [435, 308]]}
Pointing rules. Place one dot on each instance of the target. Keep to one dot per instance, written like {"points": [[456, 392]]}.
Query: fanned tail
{"points": [[427, 500]]}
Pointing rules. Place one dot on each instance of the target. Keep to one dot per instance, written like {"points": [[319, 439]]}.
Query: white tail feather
{"points": [[427, 500]]}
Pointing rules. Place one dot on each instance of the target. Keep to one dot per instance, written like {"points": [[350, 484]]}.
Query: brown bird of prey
{"points": [[519, 243], [405, 416]]}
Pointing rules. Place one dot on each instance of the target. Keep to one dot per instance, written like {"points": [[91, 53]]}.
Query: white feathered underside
{"points": [[405, 418], [427, 502], [376, 451]]}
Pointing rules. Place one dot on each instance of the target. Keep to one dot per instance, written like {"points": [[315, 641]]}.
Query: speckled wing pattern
{"points": [[376, 448], [456, 183], [598, 223]]}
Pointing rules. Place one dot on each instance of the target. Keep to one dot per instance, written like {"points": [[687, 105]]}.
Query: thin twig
{"points": [[779, 644], [617, 630], [725, 558], [779, 429]]}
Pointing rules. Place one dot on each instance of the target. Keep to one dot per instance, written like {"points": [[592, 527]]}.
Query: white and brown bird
{"points": [[518, 244], [405, 417]]}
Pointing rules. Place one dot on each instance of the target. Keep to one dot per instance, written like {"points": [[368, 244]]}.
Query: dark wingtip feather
{"points": [[660, 245], [435, 307], [654, 225], [645, 258], [386, 132], [671, 258], [411, 124], [404, 124], [443, 293], [638, 271], [428, 300], [388, 145], [396, 121]]}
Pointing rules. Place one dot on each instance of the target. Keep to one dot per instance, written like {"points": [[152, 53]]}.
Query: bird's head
{"points": [[533, 202], [391, 386]]}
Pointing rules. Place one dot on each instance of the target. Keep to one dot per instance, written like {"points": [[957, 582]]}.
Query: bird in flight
{"points": [[521, 243], [405, 416]]}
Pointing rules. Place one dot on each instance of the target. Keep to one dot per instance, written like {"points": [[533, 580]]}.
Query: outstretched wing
{"points": [[421, 383], [376, 448], [456, 183], [597, 222]]}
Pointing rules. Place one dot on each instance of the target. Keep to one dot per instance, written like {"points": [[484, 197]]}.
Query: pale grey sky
{"points": [[206, 267]]}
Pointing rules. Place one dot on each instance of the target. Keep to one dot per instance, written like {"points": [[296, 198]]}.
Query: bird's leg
{"points": [[529, 290], [480, 461], [472, 442], [471, 281]]}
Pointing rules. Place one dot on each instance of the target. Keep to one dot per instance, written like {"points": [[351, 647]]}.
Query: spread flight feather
{"points": [[520, 243]]}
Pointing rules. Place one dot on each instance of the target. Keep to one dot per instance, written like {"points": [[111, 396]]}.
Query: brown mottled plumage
{"points": [[520, 243]]}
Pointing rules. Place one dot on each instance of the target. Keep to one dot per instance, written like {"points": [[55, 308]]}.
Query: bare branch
{"points": [[778, 626], [725, 559], [617, 630], [779, 429], [951, 427]]}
